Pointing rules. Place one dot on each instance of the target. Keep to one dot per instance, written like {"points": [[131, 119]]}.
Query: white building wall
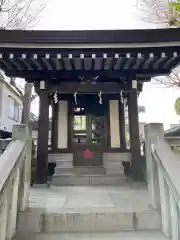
{"points": [[35, 137], [5, 120]]}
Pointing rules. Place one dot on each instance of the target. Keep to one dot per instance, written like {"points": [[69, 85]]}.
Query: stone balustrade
{"points": [[163, 177], [15, 165]]}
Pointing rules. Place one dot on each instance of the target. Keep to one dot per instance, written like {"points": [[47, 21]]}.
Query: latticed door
{"points": [[88, 134]]}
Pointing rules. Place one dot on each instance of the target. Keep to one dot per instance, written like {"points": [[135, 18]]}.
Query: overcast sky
{"points": [[105, 14]]}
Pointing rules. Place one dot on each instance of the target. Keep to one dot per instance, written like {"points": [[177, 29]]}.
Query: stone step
{"points": [[60, 157], [71, 179], [91, 220], [134, 235], [64, 164], [80, 170]]}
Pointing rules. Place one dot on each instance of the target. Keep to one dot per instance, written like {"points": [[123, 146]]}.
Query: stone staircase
{"points": [[86, 176], [90, 212], [95, 203], [111, 173]]}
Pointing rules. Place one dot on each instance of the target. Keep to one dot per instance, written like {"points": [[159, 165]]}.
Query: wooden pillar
{"points": [[122, 125], [43, 135], [136, 161], [54, 132]]}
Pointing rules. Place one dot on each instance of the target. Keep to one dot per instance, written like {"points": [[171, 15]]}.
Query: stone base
{"points": [[93, 179], [34, 221], [45, 185], [113, 162], [89, 209], [138, 172], [80, 170], [128, 235]]}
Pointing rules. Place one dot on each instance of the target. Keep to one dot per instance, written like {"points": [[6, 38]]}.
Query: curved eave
{"points": [[110, 54], [143, 36]]}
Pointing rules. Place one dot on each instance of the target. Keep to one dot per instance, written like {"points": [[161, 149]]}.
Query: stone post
{"points": [[15, 191], [175, 218], [22, 133], [13, 206], [3, 217], [152, 132], [27, 170], [165, 204]]}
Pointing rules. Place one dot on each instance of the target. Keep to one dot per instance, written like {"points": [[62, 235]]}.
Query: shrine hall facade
{"points": [[89, 77]]}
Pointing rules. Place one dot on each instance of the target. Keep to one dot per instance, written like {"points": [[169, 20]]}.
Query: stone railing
{"points": [[163, 177], [14, 180]]}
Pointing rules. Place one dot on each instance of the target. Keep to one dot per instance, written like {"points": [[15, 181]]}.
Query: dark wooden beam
{"points": [[43, 135], [71, 87], [88, 52], [58, 75], [140, 36], [70, 96], [88, 64]]}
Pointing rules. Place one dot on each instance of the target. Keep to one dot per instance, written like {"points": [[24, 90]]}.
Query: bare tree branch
{"points": [[165, 12], [20, 14], [172, 80]]}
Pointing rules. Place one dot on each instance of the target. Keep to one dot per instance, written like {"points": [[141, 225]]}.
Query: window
{"points": [[80, 123], [14, 109]]}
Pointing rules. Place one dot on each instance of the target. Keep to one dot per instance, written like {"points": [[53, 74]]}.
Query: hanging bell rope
{"points": [[125, 101], [56, 97], [121, 97], [100, 97], [75, 98]]}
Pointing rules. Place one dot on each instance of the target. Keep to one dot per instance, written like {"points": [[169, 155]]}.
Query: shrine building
{"points": [[89, 77]]}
